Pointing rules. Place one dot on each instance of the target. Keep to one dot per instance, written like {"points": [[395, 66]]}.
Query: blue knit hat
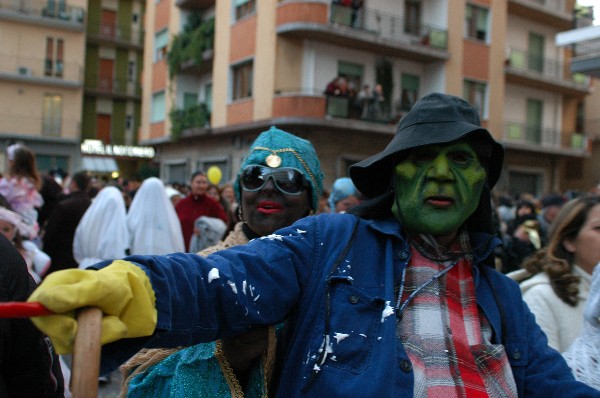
{"points": [[341, 189], [277, 148]]}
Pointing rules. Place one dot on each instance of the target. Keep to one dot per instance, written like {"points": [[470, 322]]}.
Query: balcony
{"points": [[370, 30], [191, 51], [122, 36], [56, 13], [318, 104], [586, 58], [522, 136], [545, 73], [114, 88], [547, 12], [197, 5], [33, 125], [185, 121], [41, 70]]}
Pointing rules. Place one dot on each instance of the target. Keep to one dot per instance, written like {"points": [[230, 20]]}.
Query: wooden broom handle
{"points": [[86, 354]]}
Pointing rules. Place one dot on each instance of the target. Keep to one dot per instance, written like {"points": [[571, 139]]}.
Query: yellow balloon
{"points": [[214, 175]]}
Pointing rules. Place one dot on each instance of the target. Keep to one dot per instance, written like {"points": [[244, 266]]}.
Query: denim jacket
{"points": [[332, 277]]}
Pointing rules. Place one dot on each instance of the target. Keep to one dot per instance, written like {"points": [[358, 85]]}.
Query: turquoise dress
{"points": [[195, 372]]}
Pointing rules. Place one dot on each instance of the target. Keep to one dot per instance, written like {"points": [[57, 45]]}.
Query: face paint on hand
{"points": [[437, 188]]}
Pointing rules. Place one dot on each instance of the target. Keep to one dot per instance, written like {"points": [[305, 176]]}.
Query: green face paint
{"points": [[437, 188]]}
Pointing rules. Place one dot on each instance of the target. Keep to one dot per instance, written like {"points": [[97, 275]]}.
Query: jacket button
{"points": [[403, 255], [405, 365], [516, 355], [353, 299]]}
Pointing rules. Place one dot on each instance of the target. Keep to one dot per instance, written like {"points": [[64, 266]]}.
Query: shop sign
{"points": [[97, 147]]}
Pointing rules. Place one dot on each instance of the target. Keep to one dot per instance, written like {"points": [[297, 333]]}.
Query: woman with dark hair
{"points": [[556, 280], [196, 204]]}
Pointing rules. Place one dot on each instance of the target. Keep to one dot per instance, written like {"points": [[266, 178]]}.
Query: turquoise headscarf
{"points": [[341, 189], [277, 148]]}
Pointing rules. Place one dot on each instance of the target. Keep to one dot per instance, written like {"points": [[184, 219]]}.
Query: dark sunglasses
{"points": [[288, 180]]}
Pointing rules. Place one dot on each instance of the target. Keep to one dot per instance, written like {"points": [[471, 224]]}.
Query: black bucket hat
{"points": [[435, 119]]}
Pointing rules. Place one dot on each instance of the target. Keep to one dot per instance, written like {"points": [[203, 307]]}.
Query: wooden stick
{"points": [[86, 354]]}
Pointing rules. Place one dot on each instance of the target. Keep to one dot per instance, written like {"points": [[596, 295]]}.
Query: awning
{"points": [[99, 164]]}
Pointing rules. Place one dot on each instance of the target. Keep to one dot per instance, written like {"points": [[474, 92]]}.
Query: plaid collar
{"points": [[428, 247]]}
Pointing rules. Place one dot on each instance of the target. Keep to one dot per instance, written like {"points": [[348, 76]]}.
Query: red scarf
{"points": [[447, 340]]}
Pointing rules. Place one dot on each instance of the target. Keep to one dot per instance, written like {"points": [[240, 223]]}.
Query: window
{"points": [[534, 112], [475, 94], [161, 39], [535, 52], [54, 62], [523, 181], [158, 107], [476, 25], [52, 115], [51, 162], [580, 118], [412, 17], [190, 100], [131, 71], [409, 91], [208, 97], [128, 123], [244, 7], [242, 80], [177, 173]]}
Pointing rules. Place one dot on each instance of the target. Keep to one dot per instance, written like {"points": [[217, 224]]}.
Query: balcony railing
{"points": [[196, 116], [389, 26], [348, 106], [122, 87], [40, 68], [190, 49], [195, 4], [554, 5], [587, 48], [535, 135], [544, 67], [27, 124], [123, 34], [55, 10]]}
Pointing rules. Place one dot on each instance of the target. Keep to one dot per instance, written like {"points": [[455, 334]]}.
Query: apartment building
{"points": [[584, 46], [42, 45], [112, 98], [301, 65]]}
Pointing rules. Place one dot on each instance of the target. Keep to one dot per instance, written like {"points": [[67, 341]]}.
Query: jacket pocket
{"points": [[355, 325]]}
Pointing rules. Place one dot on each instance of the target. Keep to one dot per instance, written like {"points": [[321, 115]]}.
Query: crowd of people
{"points": [[295, 285]]}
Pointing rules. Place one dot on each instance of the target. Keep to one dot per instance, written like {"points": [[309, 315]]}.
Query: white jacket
{"points": [[561, 322]]}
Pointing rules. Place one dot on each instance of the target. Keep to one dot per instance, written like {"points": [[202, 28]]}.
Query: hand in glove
{"points": [[122, 291]]}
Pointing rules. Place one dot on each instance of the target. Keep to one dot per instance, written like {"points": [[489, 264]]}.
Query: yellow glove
{"points": [[122, 291]]}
